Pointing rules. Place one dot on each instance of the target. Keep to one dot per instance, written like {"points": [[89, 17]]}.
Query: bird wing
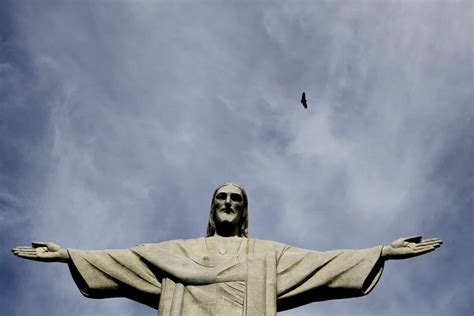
{"points": [[303, 100]]}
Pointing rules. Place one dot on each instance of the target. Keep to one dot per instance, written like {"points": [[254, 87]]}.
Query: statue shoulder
{"points": [[269, 244], [169, 245]]}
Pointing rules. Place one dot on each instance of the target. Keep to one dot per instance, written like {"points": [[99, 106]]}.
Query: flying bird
{"points": [[303, 101]]}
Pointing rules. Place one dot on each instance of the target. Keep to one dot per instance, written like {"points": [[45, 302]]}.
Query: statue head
{"points": [[229, 207]]}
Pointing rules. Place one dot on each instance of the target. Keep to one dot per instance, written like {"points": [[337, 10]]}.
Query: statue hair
{"points": [[244, 220]]}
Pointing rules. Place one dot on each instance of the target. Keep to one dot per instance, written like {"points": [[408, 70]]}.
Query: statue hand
{"points": [[42, 251], [410, 247]]}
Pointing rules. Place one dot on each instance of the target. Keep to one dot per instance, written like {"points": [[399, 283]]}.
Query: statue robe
{"points": [[183, 277]]}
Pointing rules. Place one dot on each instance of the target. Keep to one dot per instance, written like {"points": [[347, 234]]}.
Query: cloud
{"points": [[121, 118]]}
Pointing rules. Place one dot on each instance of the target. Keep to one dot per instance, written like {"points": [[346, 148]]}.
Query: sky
{"points": [[118, 119]]}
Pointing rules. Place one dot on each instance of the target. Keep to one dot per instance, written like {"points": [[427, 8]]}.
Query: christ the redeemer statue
{"points": [[226, 273]]}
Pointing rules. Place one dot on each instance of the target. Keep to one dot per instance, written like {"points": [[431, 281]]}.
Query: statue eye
{"points": [[236, 197], [221, 196]]}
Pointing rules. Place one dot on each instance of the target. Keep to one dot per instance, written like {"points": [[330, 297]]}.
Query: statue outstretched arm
{"points": [[43, 252], [409, 247]]}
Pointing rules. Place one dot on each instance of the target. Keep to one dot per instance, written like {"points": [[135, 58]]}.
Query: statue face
{"points": [[229, 205]]}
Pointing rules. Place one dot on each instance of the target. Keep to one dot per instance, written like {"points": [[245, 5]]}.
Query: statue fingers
{"points": [[431, 240], [439, 241], [423, 250], [434, 243], [32, 250], [22, 247], [25, 250]]}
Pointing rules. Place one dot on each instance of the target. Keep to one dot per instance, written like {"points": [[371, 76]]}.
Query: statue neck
{"points": [[227, 230]]}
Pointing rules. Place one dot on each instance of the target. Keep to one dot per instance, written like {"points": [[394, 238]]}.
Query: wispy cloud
{"points": [[121, 118]]}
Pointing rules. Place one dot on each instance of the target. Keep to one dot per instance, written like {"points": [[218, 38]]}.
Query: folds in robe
{"points": [[182, 277]]}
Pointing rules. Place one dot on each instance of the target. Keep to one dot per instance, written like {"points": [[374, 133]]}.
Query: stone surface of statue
{"points": [[226, 273]]}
